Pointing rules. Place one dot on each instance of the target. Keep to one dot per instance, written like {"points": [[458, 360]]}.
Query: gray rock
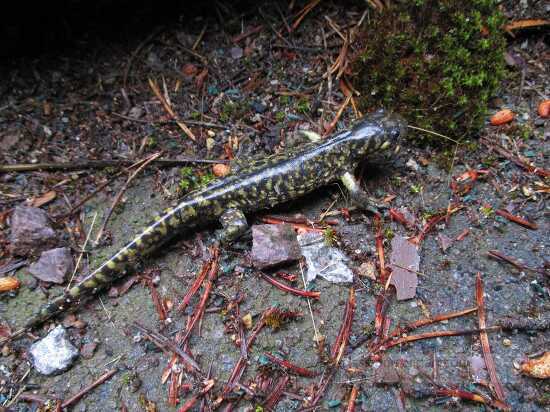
{"points": [[274, 245], [323, 260], [53, 266], [236, 52], [54, 353], [31, 231]]}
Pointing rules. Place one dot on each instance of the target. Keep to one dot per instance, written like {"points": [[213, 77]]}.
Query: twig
{"points": [[290, 289], [106, 376], [495, 254], [168, 108], [352, 398], [516, 219], [515, 159], [194, 287], [434, 334], [121, 192], [289, 366], [332, 124], [100, 164], [345, 329], [484, 339], [187, 121], [275, 393], [165, 343], [428, 321], [304, 12], [212, 274], [82, 253]]}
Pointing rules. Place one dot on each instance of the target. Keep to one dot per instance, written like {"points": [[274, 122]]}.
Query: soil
{"points": [[244, 83]]}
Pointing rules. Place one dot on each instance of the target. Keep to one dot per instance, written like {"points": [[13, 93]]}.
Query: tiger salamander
{"points": [[259, 184]]}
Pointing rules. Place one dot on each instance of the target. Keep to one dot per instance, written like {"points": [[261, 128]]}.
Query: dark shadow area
{"points": [[32, 29]]}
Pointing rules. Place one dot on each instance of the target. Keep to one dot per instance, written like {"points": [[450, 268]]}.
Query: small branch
{"points": [[495, 254], [99, 164], [194, 287], [199, 311], [106, 376], [170, 111], [516, 219], [165, 343], [345, 329], [352, 398], [290, 289], [289, 366], [484, 338]]}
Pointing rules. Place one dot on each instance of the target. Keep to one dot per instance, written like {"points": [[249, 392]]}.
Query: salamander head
{"points": [[377, 131]]}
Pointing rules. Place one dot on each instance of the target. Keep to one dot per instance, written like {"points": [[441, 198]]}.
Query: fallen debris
{"points": [[72, 400], [537, 368], [54, 353], [274, 245], [54, 265], [290, 289], [484, 338], [9, 283], [516, 219], [323, 260], [405, 262], [502, 117], [31, 231], [544, 108]]}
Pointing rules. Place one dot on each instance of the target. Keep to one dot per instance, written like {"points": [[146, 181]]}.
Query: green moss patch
{"points": [[435, 62]]}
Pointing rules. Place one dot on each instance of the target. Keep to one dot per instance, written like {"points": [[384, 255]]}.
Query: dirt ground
{"points": [[244, 84]]}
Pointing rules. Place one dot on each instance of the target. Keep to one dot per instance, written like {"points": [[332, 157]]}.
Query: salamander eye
{"points": [[394, 133]]}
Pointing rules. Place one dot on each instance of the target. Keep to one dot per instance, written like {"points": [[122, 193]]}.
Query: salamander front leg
{"points": [[359, 196], [233, 223]]}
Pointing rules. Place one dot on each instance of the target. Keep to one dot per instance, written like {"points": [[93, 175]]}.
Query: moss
{"points": [[191, 179], [303, 106], [233, 110], [435, 62]]}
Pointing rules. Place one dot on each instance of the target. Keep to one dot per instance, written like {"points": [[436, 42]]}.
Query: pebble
{"points": [[53, 266], [411, 164], [54, 353], [31, 231], [273, 245]]}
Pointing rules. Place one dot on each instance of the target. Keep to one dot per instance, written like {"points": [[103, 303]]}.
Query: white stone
{"points": [[54, 353]]}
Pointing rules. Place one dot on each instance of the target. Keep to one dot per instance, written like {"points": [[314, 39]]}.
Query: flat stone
{"points": [[405, 262], [53, 266], [54, 353], [31, 231], [274, 245]]}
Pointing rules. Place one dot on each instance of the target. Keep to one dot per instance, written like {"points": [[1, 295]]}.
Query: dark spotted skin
{"points": [[256, 185]]}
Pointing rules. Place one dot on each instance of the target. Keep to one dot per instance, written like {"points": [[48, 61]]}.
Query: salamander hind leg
{"points": [[234, 225], [359, 196]]}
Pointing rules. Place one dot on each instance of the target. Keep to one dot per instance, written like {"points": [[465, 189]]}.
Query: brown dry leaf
{"points": [[537, 368], [502, 117], [8, 283], [405, 262], [43, 199], [221, 169], [544, 108], [201, 77]]}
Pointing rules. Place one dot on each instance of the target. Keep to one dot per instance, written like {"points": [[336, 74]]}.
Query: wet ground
{"points": [[94, 102]]}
